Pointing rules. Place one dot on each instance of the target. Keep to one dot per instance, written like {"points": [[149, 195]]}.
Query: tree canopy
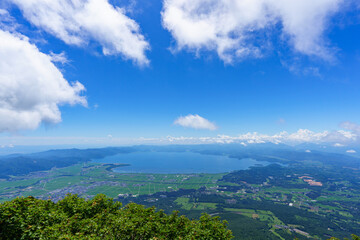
{"points": [[100, 218]]}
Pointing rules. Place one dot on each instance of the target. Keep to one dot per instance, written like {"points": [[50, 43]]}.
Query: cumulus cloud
{"points": [[337, 138], [247, 139], [77, 22], [300, 136], [31, 87], [232, 27], [195, 121]]}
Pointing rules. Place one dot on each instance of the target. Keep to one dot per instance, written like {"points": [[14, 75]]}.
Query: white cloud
{"points": [[59, 57], [245, 140], [305, 135], [7, 146], [232, 27], [195, 121], [7, 22], [31, 87], [351, 151], [77, 22], [300, 136], [337, 138], [354, 127]]}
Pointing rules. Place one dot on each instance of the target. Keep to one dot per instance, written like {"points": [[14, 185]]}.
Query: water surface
{"points": [[178, 162]]}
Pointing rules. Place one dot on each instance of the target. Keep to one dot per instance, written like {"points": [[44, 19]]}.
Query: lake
{"points": [[178, 162]]}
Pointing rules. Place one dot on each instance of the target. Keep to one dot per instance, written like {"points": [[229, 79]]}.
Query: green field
{"points": [[89, 179]]}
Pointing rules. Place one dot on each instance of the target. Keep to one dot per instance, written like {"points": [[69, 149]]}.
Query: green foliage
{"points": [[100, 218], [353, 237]]}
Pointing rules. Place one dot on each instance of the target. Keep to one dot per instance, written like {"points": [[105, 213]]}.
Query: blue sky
{"points": [[223, 76]]}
